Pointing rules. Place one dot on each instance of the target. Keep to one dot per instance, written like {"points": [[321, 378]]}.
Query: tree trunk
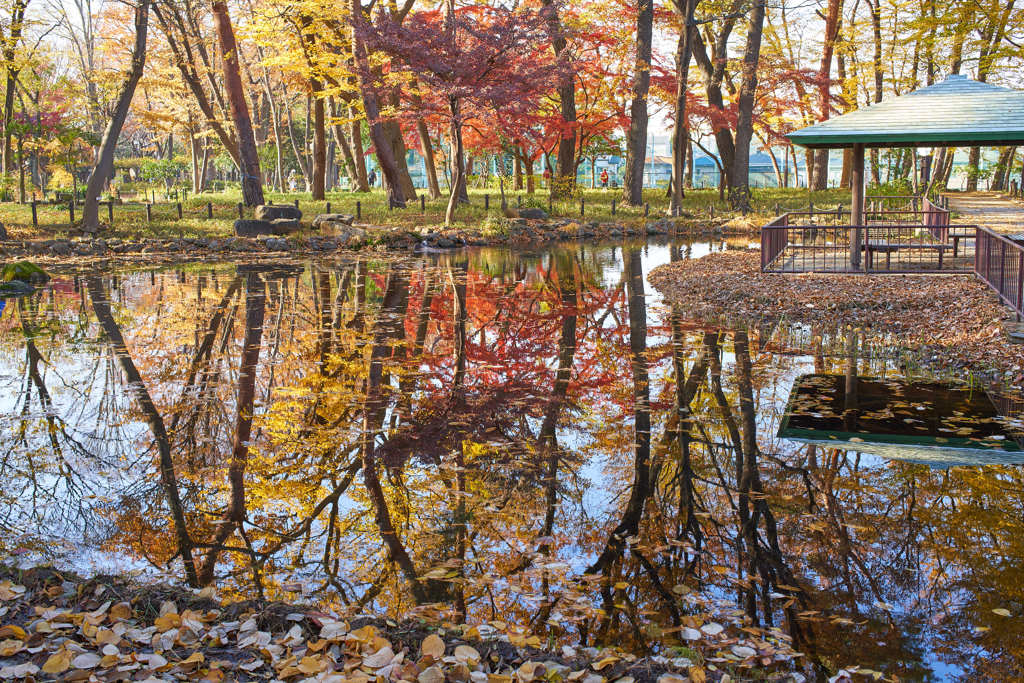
{"points": [[252, 182], [973, 166], [371, 105], [740, 184], [338, 131], [319, 143], [105, 160], [566, 171], [458, 172], [819, 179], [680, 134], [17, 22], [428, 158], [636, 138], [362, 183]]}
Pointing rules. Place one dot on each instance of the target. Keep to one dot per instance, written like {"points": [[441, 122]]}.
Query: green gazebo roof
{"points": [[956, 112]]}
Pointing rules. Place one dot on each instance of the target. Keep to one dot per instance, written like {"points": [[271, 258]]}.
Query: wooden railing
{"points": [[999, 262], [774, 240], [937, 220]]}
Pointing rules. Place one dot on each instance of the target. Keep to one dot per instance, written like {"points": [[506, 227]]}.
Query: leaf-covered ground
{"points": [[948, 319], [57, 626]]}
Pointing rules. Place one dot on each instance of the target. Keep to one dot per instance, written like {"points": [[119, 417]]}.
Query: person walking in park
{"points": [[604, 178], [547, 177], [372, 178]]}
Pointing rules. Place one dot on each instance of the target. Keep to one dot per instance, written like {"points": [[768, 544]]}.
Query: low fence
{"points": [[885, 248], [916, 240], [999, 262]]}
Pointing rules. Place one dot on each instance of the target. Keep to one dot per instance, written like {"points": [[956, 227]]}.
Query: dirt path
{"points": [[989, 209]]}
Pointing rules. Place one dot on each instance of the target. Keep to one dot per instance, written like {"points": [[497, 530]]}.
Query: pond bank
{"points": [[362, 237], [947, 319], [60, 626]]}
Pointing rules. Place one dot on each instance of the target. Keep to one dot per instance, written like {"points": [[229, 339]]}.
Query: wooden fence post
{"points": [[110, 212], [328, 209], [613, 206], [240, 209], [359, 210], [296, 203], [487, 202], [582, 207], [647, 209], [423, 203], [35, 216], [209, 209], [149, 212], [179, 211], [71, 208]]}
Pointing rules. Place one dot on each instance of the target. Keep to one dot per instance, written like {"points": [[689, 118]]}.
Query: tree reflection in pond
{"points": [[531, 438]]}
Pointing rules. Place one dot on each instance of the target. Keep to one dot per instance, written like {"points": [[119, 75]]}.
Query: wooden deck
{"points": [[837, 260]]}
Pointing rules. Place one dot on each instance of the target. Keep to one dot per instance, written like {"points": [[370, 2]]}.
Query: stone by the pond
{"points": [[246, 227], [533, 213], [271, 212], [24, 271], [325, 220], [349, 236], [15, 288], [276, 244], [284, 226]]}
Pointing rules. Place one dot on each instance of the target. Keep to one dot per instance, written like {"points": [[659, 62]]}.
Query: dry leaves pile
{"points": [[951, 320], [58, 627]]}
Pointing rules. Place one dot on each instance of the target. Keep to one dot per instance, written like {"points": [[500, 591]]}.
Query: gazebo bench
{"points": [[888, 247]]}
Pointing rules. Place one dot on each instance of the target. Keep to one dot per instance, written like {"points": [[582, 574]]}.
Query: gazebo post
{"points": [[856, 203]]}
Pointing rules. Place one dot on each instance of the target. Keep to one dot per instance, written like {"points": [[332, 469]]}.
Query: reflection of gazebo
{"points": [[954, 113]]}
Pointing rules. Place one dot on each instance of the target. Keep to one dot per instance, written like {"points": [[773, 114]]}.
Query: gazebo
{"points": [[957, 112]]}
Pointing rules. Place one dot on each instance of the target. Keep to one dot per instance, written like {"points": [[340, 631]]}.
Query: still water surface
{"points": [[530, 436]]}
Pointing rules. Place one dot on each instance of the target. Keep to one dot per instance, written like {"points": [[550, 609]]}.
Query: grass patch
{"points": [[483, 211]]}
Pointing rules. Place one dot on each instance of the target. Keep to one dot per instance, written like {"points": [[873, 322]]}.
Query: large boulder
{"points": [[245, 227], [332, 220], [271, 212], [533, 214]]}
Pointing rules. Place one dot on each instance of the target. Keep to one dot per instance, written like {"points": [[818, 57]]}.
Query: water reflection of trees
{"points": [[508, 439]]}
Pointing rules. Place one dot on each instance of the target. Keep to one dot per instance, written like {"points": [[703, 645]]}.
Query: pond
{"points": [[525, 437]]}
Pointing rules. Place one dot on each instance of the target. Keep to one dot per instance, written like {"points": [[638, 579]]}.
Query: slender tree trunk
{"points": [[819, 180], [105, 160], [428, 158], [319, 142], [338, 131], [252, 181], [636, 139], [680, 134], [458, 172], [16, 25], [362, 183], [740, 184]]}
